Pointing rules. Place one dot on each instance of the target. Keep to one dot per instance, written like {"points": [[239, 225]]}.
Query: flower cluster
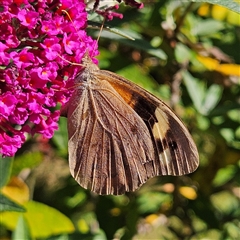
{"points": [[35, 38], [109, 12], [38, 39]]}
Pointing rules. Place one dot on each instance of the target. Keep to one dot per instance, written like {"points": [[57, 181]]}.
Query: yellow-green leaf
{"points": [[43, 220]]}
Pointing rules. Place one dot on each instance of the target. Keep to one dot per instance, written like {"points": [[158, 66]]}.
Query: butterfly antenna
{"points": [[72, 22], [100, 31], [96, 42], [72, 63]]}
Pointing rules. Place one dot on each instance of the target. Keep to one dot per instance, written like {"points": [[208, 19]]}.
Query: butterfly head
{"points": [[88, 63]]}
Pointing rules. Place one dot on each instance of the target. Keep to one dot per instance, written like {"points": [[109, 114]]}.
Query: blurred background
{"points": [[187, 54]]}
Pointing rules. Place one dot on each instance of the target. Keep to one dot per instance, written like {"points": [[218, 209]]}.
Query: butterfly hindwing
{"points": [[176, 153]]}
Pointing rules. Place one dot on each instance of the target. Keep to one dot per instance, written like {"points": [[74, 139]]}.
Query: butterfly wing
{"points": [[120, 135], [175, 151], [110, 146]]}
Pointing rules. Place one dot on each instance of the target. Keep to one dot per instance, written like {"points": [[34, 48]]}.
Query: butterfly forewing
{"points": [[110, 147], [120, 135]]}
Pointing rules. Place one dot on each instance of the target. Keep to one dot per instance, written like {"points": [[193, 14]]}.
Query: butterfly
{"points": [[120, 135]]}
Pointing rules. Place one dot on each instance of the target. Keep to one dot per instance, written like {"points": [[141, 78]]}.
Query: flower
{"points": [[35, 37], [37, 41]]}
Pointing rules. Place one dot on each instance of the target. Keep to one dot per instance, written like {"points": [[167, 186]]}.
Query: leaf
{"points": [[214, 65], [26, 160], [232, 228], [229, 69], [204, 100], [208, 234], [99, 235], [43, 220], [228, 134], [8, 205], [225, 202], [233, 18], [221, 13], [22, 230], [96, 25], [138, 43], [224, 175], [5, 168], [183, 53], [151, 201], [59, 237], [17, 190], [196, 89], [209, 63], [230, 4], [207, 27], [188, 192], [212, 97], [60, 137]]}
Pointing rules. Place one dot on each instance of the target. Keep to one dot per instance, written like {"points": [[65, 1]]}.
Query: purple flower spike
{"points": [[33, 36], [37, 41]]}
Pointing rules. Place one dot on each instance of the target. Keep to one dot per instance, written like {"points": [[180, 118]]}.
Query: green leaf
{"points": [[60, 137], [232, 229], [233, 5], [224, 175], [43, 220], [22, 230], [196, 89], [225, 202], [213, 96], [59, 237], [183, 53], [228, 134], [96, 25], [138, 43], [5, 170], [8, 205], [151, 201], [99, 235], [204, 100], [208, 234], [207, 27], [26, 160]]}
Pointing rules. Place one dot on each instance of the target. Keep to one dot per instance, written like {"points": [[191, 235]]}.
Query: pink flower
{"points": [[36, 39], [9, 145], [12, 41], [50, 28], [7, 104], [109, 13], [47, 126], [51, 47], [28, 18], [31, 37], [23, 58], [4, 55], [70, 42]]}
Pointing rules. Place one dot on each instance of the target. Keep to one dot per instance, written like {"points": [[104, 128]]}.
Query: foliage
{"points": [[186, 53]]}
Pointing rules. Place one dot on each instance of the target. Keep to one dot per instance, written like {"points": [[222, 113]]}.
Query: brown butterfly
{"points": [[120, 135]]}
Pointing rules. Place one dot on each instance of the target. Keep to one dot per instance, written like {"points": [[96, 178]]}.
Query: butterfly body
{"points": [[120, 135]]}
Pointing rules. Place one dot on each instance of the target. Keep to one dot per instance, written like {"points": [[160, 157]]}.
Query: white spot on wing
{"points": [[161, 127]]}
